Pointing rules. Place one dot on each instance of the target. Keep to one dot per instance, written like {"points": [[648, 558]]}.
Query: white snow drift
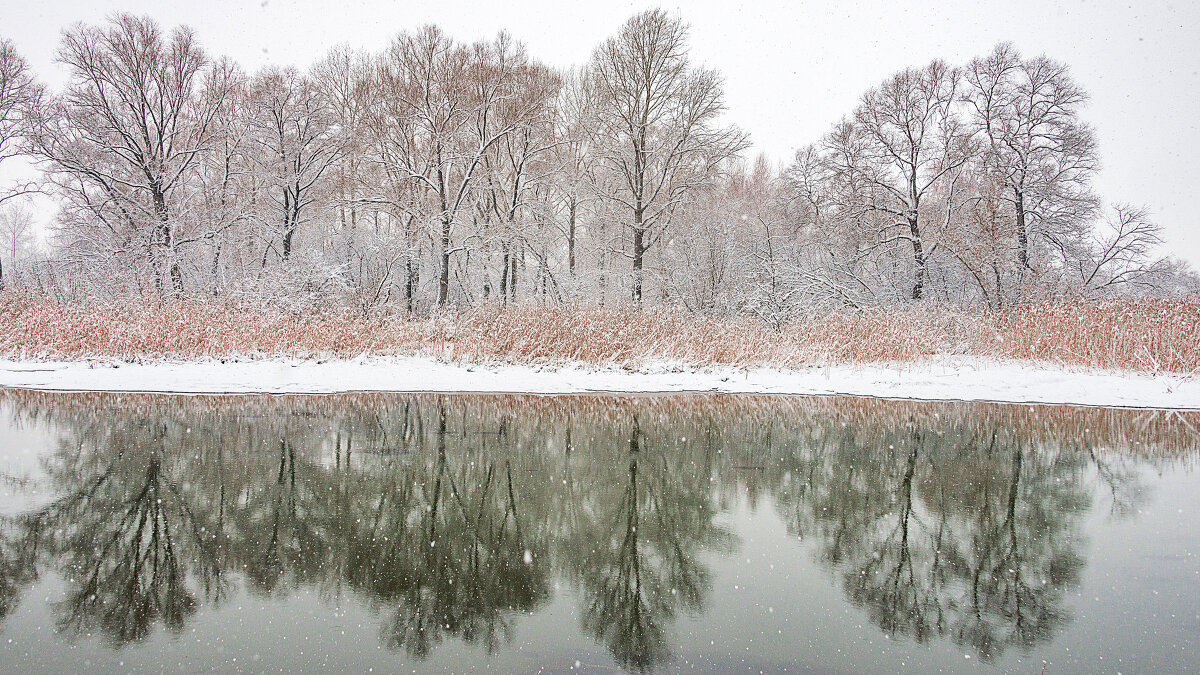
{"points": [[947, 379]]}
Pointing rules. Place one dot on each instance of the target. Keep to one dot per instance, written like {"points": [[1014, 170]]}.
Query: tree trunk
{"points": [[216, 269], [176, 278], [918, 258], [444, 275], [504, 275], [543, 274], [287, 216], [571, 239], [410, 270], [291, 218], [639, 253], [410, 283], [512, 283], [1022, 233], [162, 242]]}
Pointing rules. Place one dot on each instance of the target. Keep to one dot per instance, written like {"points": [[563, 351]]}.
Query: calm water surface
{"points": [[559, 534]]}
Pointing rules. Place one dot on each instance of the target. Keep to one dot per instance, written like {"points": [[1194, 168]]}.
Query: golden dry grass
{"points": [[1150, 335], [1156, 335]]}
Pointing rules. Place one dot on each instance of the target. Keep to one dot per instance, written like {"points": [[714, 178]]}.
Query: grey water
{"points": [[454, 533]]}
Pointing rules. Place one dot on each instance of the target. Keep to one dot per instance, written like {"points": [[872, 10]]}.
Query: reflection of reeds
{"points": [[1149, 336], [1142, 433]]}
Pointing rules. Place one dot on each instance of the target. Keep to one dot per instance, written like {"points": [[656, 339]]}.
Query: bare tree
{"points": [[344, 80], [519, 171], [129, 130], [656, 125], [725, 247], [573, 176], [16, 238], [1121, 255], [442, 101], [20, 95], [832, 238], [295, 129], [1027, 110], [364, 184], [226, 180], [906, 137], [984, 241]]}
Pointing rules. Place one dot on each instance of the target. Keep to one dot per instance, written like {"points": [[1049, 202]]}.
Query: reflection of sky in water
{"points": [[754, 535], [21, 472]]}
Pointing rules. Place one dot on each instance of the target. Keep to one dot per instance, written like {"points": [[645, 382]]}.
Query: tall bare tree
{"points": [[911, 137], [130, 128], [226, 179], [1027, 110], [443, 99], [295, 129], [20, 94], [16, 238], [574, 163], [344, 80], [656, 125], [519, 170]]}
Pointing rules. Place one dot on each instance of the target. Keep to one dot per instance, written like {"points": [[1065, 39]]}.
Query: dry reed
{"points": [[1147, 336]]}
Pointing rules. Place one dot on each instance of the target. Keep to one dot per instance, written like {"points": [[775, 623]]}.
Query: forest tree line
{"points": [[441, 173]]}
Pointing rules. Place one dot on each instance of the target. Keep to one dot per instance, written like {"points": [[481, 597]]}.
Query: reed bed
{"points": [[1144, 335]]}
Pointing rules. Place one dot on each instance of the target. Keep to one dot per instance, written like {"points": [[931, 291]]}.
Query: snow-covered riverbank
{"points": [[944, 379]]}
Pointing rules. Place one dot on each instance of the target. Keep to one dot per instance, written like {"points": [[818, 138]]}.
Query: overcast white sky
{"points": [[791, 68]]}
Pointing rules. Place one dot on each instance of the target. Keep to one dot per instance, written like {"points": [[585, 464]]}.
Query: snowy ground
{"points": [[943, 379]]}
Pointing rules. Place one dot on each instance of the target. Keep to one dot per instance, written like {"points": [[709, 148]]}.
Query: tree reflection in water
{"points": [[636, 559], [115, 534], [453, 516], [966, 530], [444, 550]]}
